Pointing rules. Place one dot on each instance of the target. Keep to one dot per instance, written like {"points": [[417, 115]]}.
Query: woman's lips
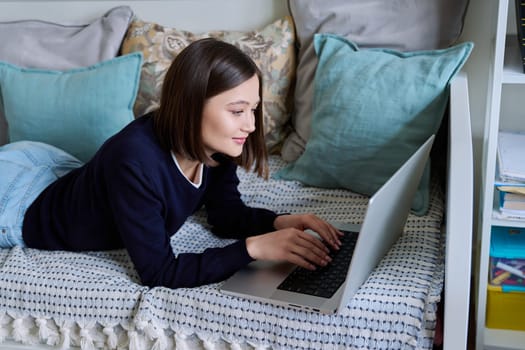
{"points": [[239, 140]]}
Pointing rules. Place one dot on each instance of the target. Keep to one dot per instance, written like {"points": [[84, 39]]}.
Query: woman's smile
{"points": [[240, 140]]}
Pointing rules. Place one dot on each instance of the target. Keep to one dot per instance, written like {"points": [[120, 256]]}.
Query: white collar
{"points": [[200, 171]]}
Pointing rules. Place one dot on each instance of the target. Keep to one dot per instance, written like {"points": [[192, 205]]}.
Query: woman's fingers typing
{"points": [[326, 231], [312, 249], [293, 245]]}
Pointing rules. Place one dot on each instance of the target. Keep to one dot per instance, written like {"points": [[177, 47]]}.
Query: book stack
{"points": [[510, 181], [512, 201]]}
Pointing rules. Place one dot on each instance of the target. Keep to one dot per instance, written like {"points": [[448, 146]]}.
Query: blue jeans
{"points": [[26, 169]]}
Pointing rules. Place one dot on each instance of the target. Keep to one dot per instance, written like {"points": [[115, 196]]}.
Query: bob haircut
{"points": [[204, 69]]}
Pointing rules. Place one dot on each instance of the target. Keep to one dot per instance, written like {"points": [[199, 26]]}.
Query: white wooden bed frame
{"points": [[203, 15]]}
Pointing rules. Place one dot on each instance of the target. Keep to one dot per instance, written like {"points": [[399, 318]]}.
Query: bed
{"points": [[56, 299]]}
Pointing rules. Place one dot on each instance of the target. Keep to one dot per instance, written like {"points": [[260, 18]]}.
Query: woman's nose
{"points": [[249, 124]]}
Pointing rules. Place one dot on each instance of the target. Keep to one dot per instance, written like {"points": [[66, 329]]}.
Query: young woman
{"points": [[145, 181]]}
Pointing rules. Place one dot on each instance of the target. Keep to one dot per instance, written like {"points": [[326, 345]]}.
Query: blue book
{"points": [[512, 202]]}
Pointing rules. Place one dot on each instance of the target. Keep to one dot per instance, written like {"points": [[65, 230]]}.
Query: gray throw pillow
{"points": [[46, 45], [403, 25]]}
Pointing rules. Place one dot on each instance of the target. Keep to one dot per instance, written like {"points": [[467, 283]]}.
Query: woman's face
{"points": [[228, 118]]}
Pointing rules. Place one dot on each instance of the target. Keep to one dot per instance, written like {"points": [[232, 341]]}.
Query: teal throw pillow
{"points": [[75, 110], [372, 109]]}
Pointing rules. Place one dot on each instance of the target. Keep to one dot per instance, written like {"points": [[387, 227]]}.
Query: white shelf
{"points": [[506, 222], [512, 340], [513, 67], [503, 105]]}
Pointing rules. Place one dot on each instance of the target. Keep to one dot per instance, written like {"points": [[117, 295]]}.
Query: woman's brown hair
{"points": [[204, 69]]}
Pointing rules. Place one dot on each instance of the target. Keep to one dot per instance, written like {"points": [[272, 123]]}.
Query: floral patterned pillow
{"points": [[272, 48]]}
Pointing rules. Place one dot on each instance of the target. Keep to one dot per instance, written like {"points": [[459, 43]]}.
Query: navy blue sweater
{"points": [[132, 195]]}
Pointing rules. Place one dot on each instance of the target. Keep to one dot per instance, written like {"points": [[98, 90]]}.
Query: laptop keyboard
{"points": [[324, 281]]}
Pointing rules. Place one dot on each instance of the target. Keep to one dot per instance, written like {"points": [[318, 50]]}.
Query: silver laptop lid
{"points": [[385, 219]]}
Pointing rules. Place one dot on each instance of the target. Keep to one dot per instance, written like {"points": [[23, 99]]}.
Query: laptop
{"points": [[384, 221]]}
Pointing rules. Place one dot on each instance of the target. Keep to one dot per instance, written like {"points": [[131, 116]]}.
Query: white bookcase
{"points": [[505, 111]]}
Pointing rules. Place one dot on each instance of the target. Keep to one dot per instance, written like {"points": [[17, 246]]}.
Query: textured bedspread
{"points": [[95, 300]]}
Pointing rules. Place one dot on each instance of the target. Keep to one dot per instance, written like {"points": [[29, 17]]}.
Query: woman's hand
{"points": [[327, 232], [289, 244]]}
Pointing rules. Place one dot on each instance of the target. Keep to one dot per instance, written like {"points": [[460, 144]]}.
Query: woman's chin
{"points": [[233, 153]]}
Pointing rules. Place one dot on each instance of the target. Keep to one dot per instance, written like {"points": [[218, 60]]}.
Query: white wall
{"points": [[182, 14]]}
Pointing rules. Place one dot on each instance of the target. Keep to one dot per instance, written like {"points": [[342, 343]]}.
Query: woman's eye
{"points": [[237, 113]]}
